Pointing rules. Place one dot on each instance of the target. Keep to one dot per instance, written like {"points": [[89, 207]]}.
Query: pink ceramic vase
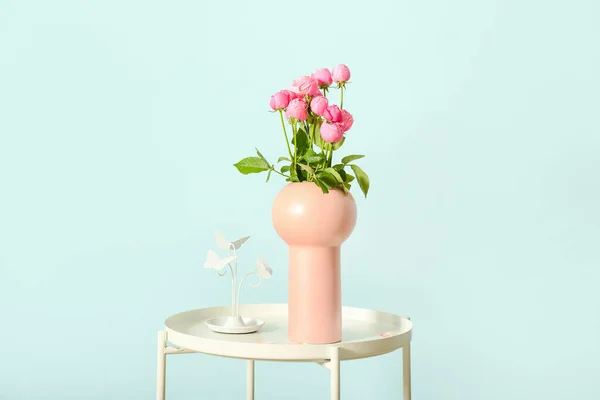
{"points": [[314, 225]]}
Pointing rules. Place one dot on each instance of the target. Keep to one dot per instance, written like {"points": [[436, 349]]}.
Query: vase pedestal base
{"points": [[314, 295]]}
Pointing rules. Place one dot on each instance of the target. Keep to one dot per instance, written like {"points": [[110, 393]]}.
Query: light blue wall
{"points": [[119, 122]]}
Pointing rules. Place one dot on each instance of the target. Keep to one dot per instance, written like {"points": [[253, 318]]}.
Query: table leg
{"points": [[406, 371], [250, 380], [161, 370], [335, 373]]}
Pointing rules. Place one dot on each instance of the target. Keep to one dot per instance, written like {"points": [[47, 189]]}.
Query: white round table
{"points": [[365, 333]]}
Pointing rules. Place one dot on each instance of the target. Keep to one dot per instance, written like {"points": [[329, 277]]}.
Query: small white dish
{"points": [[234, 325]]}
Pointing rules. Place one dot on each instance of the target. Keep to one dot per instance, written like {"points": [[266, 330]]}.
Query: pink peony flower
{"points": [[293, 95], [318, 105], [340, 73], [333, 114], [347, 120], [296, 109], [332, 133], [306, 85], [323, 77], [280, 100]]}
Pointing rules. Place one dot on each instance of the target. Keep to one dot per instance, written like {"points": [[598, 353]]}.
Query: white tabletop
{"points": [[365, 333]]}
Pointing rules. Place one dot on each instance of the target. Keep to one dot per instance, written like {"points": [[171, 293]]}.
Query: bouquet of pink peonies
{"points": [[318, 128]]}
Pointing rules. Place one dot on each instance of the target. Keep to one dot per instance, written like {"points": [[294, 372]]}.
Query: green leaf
{"points": [[303, 175], [313, 158], [335, 174], [318, 158], [327, 178], [280, 159], [252, 165], [317, 139], [306, 168], [338, 167], [351, 158], [269, 175], [344, 188], [322, 185], [339, 144], [343, 174], [349, 178], [309, 152], [294, 176], [362, 178], [301, 142], [260, 155], [284, 169]]}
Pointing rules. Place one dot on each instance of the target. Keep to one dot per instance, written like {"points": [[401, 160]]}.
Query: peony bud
{"points": [[347, 120], [293, 95], [296, 109], [340, 73], [280, 100], [306, 85], [332, 133], [333, 114], [323, 77], [318, 105]]}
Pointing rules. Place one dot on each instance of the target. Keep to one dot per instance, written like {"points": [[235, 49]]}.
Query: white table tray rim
{"points": [[365, 333]]}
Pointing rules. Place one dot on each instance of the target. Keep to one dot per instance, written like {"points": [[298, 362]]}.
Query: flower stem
{"points": [[277, 172], [321, 139], [295, 141], [287, 140], [342, 97]]}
